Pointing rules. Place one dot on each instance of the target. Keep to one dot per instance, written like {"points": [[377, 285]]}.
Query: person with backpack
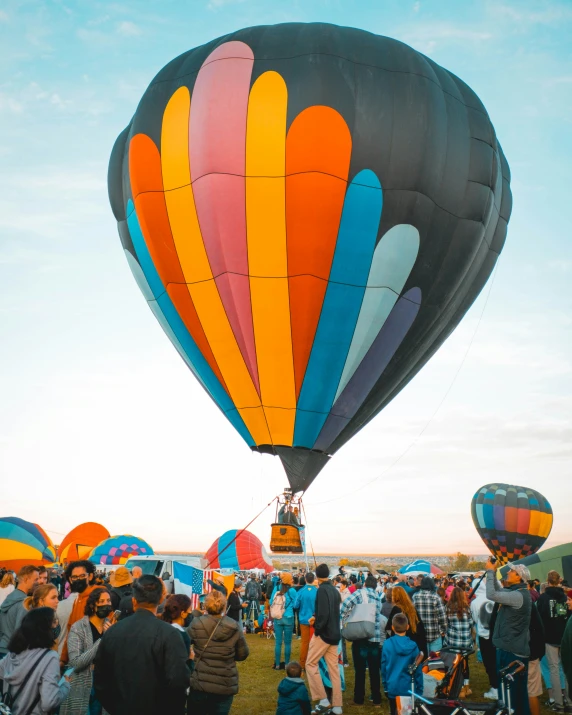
{"points": [[121, 586], [282, 614], [364, 626], [31, 671], [252, 596], [553, 610]]}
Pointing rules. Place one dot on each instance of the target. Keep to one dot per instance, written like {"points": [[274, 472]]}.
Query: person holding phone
{"points": [[83, 643]]}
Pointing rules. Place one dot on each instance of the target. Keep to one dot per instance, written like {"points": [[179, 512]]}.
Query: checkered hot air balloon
{"points": [[117, 549], [512, 521]]}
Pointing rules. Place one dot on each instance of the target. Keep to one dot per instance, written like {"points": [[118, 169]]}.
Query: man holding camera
{"points": [[511, 632]]}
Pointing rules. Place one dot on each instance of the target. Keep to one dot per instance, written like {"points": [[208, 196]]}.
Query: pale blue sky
{"points": [[99, 417]]}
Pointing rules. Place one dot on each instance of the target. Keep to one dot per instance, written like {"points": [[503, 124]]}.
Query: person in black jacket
{"points": [[121, 586], [140, 667], [537, 650], [553, 610], [324, 644]]}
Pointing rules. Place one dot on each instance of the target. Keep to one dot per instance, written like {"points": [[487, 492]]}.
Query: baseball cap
{"points": [[521, 570]]}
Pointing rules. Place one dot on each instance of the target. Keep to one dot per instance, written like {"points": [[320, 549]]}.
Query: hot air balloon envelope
{"points": [[22, 543], [309, 211], [117, 549], [512, 521], [81, 541], [240, 553], [558, 558]]}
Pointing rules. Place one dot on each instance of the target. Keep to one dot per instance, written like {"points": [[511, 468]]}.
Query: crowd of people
{"points": [[85, 643]]}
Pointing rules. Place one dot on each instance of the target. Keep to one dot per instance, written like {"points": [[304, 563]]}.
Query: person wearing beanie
{"points": [[324, 644]]}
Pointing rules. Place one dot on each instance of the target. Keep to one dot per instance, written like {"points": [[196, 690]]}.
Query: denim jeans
{"points": [[519, 688], [283, 630], [200, 703], [435, 645], [367, 654]]}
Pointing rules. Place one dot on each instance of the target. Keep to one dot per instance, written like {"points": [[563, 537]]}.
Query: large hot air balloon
{"points": [[81, 541], [22, 542], [240, 553], [512, 521], [558, 558], [117, 549], [309, 211]]}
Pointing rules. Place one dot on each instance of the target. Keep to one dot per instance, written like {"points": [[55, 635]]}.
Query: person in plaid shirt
{"points": [[367, 652], [460, 626], [431, 610]]}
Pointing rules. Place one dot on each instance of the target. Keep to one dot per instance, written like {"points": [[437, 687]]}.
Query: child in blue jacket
{"points": [[293, 698], [397, 655]]}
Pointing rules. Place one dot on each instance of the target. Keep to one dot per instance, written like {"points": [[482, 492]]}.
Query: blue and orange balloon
{"points": [[514, 522], [309, 211], [22, 543], [117, 549], [240, 553]]}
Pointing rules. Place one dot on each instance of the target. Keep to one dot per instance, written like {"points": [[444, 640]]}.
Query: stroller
{"points": [[453, 706], [448, 669]]}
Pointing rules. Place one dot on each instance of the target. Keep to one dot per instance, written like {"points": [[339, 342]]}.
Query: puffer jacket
{"points": [[215, 664]]}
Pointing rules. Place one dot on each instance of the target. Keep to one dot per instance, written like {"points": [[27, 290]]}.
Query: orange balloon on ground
{"points": [[78, 544]]}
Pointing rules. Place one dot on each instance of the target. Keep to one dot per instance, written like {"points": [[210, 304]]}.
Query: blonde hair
{"points": [[400, 598], [7, 580], [39, 594], [215, 603]]}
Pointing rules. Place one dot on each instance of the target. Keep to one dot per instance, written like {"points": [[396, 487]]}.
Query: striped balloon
{"points": [[514, 522], [240, 553], [117, 549], [274, 193], [22, 543]]}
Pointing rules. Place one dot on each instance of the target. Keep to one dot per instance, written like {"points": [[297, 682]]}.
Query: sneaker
{"points": [[321, 709], [550, 702], [557, 708], [492, 694]]}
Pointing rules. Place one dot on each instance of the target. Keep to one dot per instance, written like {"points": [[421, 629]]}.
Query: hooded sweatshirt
{"points": [[293, 698], [306, 603], [482, 610], [44, 680], [10, 617], [553, 609], [397, 655]]}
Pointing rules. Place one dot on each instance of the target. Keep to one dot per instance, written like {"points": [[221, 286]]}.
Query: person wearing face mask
{"points": [[12, 610], [31, 672], [177, 612], [83, 642], [81, 576]]}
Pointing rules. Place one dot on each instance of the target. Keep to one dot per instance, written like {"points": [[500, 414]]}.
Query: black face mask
{"points": [[188, 620], [78, 586], [103, 611], [56, 632]]}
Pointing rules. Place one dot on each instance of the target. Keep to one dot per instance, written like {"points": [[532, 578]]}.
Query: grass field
{"points": [[258, 682]]}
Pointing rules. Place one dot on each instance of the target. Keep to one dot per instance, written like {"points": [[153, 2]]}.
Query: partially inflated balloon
{"points": [[238, 550], [22, 543], [80, 541], [118, 549], [513, 521], [558, 558], [309, 211]]}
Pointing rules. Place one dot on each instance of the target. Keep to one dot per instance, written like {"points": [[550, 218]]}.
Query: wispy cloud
{"points": [[3, 16], [427, 37], [548, 14], [128, 29]]}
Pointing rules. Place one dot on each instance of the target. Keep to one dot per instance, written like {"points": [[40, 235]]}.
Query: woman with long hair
{"points": [[177, 612], [7, 585], [42, 596], [83, 642], [282, 614], [403, 604], [34, 659], [460, 626]]}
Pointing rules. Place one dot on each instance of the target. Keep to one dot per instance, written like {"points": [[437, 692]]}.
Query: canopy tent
{"points": [[420, 566]]}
